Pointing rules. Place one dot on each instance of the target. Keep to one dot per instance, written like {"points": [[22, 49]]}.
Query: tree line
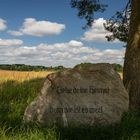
{"points": [[116, 67], [23, 67]]}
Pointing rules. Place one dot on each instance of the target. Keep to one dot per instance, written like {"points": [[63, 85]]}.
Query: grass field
{"points": [[18, 89]]}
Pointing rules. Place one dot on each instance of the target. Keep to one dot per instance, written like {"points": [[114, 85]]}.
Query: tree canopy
{"points": [[118, 24]]}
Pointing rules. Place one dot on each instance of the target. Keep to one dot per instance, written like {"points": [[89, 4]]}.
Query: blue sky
{"points": [[48, 32]]}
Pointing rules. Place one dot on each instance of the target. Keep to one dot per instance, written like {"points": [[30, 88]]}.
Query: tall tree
{"points": [[125, 26], [132, 57]]}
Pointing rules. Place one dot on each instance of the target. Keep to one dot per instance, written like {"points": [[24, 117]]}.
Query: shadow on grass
{"points": [[127, 129], [15, 96]]}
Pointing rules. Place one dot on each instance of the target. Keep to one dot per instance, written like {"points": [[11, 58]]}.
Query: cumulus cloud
{"points": [[33, 27], [2, 24], [10, 42], [67, 54], [75, 43], [15, 33], [97, 32]]}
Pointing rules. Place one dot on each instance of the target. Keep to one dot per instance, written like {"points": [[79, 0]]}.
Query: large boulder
{"points": [[85, 95]]}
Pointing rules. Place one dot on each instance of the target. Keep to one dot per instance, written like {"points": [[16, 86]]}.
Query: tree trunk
{"points": [[131, 72]]}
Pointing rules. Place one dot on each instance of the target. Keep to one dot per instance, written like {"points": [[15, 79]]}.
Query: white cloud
{"points": [[10, 42], [2, 24], [75, 43], [15, 33], [33, 27], [97, 32], [67, 54]]}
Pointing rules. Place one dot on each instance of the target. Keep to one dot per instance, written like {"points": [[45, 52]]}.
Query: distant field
{"points": [[19, 76], [23, 75], [121, 75]]}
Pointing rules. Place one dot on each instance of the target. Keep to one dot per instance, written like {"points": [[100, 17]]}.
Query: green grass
{"points": [[14, 98]]}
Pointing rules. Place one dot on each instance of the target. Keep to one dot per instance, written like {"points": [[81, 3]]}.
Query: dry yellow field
{"points": [[121, 75], [21, 76]]}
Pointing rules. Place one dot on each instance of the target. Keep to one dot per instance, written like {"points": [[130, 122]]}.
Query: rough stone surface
{"points": [[85, 95]]}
